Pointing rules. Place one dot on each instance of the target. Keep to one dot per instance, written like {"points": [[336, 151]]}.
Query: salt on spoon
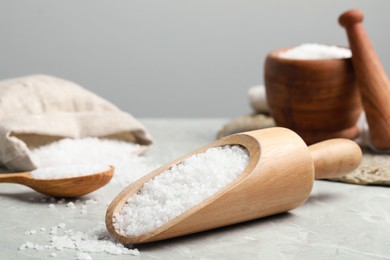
{"points": [[63, 181], [277, 178]]}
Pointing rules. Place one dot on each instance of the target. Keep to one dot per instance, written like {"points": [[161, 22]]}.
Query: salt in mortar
{"points": [[314, 51]]}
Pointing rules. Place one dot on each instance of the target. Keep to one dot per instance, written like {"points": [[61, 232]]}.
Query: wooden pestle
{"points": [[371, 79]]}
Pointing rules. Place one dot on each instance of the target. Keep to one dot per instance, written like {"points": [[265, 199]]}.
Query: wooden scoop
{"points": [[278, 178], [63, 188], [371, 79]]}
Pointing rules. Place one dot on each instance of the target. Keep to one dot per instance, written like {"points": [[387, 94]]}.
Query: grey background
{"points": [[172, 58]]}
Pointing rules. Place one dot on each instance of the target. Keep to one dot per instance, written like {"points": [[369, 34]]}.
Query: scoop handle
{"points": [[335, 157]]}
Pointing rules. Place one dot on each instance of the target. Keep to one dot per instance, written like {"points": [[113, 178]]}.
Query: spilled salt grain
{"points": [[53, 254], [83, 256], [68, 171], [96, 240], [122, 155], [62, 225], [178, 189], [39, 247], [70, 205], [314, 51]]}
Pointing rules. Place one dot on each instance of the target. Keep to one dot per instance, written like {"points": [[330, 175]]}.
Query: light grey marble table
{"points": [[339, 221]]}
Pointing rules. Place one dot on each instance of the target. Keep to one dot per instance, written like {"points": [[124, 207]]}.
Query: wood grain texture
{"points": [[62, 188], [371, 78], [335, 157], [278, 178], [315, 98]]}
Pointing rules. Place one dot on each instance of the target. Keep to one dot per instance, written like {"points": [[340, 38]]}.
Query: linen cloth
{"points": [[39, 109]]}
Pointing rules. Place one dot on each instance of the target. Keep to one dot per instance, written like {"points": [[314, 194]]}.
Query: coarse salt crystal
{"points": [[51, 206], [313, 51], [39, 247], [83, 256], [61, 225], [29, 245], [70, 205], [179, 188]]}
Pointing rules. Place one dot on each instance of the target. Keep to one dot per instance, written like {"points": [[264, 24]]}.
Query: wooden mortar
{"points": [[315, 98]]}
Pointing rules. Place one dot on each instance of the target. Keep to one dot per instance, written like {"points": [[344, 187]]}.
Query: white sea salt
{"points": [[51, 206], [122, 155], [61, 225], [314, 51], [178, 189], [96, 240], [70, 205], [68, 171], [29, 245], [83, 256], [39, 247], [90, 201], [53, 254]]}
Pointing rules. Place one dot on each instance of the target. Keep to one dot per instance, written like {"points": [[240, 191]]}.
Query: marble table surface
{"points": [[339, 221]]}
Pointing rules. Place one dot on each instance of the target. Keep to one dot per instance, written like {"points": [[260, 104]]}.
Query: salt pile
{"points": [[122, 155], [95, 240], [68, 171], [178, 189], [314, 51]]}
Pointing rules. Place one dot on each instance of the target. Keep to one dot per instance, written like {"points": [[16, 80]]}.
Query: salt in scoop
{"points": [[279, 177], [62, 187]]}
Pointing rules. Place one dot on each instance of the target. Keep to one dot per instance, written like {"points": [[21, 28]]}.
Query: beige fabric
{"points": [[40, 109]]}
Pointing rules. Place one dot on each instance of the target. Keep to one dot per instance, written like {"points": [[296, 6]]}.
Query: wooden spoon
{"points": [[279, 177], [64, 188], [371, 79]]}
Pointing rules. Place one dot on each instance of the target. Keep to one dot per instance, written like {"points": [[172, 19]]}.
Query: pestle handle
{"points": [[371, 78], [335, 157], [351, 17]]}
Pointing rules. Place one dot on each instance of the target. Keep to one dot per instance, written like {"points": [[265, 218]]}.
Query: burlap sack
{"points": [[39, 109]]}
